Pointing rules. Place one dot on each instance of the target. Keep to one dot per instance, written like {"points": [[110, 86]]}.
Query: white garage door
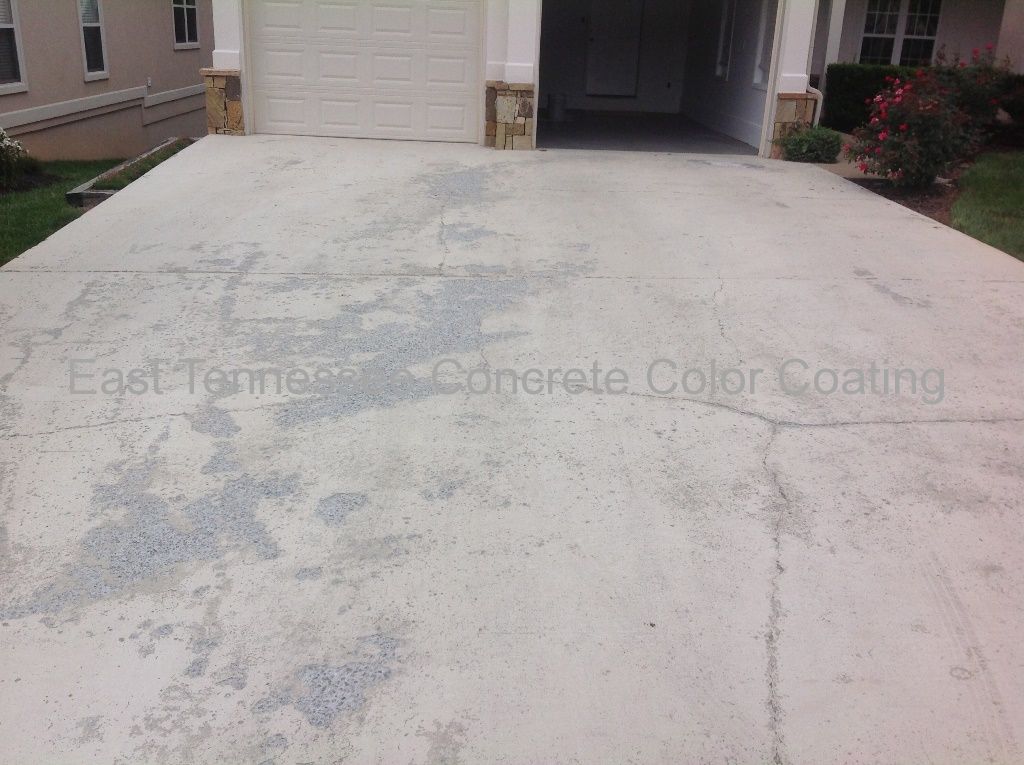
{"points": [[368, 68]]}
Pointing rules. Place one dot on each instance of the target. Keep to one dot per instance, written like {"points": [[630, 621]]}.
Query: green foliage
{"points": [[849, 89], [915, 131], [12, 161], [816, 144], [138, 169], [991, 202], [28, 217], [1012, 99]]}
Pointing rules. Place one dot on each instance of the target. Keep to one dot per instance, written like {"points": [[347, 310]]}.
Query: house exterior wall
{"points": [[139, 47], [736, 106], [963, 26]]}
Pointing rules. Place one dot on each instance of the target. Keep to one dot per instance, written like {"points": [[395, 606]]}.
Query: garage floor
{"points": [[629, 131], [399, 571]]}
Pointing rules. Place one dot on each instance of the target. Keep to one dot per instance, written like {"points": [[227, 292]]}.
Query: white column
{"points": [[835, 31], [521, 55], [497, 38], [797, 39], [227, 30]]}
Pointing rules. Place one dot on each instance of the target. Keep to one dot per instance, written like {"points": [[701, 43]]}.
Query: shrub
{"points": [[816, 144], [915, 131], [848, 88], [1012, 97], [978, 86], [12, 158]]}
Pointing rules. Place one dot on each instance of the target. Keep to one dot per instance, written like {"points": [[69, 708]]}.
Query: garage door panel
{"points": [[368, 68], [338, 19]]}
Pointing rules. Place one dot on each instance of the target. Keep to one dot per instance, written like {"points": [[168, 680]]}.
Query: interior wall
{"points": [[732, 105], [663, 56]]}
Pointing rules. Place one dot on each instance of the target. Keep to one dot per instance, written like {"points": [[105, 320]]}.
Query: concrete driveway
{"points": [[376, 569]]}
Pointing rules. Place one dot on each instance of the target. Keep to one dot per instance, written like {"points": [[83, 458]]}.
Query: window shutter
{"points": [[6, 12]]}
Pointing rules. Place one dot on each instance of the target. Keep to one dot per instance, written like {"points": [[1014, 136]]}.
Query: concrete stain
{"points": [[329, 691], [445, 489], [323, 692], [151, 537], [223, 460], [212, 421], [333, 510], [443, 320]]}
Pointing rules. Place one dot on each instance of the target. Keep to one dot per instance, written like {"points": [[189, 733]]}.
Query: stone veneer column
{"points": [[794, 111], [510, 115], [224, 101]]}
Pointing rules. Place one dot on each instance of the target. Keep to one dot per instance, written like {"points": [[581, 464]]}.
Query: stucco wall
{"points": [[140, 44], [139, 48], [563, 63], [963, 26], [734, 106]]}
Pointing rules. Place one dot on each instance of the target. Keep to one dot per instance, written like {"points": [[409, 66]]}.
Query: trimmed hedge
{"points": [[848, 88], [816, 144]]}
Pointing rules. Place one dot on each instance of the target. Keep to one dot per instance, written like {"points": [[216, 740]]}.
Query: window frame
{"points": [[723, 61], [190, 45], [900, 36], [21, 86], [105, 73]]}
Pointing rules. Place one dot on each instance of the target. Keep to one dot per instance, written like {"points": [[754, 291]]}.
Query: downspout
{"points": [[819, 100]]}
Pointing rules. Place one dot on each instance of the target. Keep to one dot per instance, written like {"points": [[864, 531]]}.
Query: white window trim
{"points": [[105, 74], [901, 33], [22, 85], [725, 35], [185, 45]]}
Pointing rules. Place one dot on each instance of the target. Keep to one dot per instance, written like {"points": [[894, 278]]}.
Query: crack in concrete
{"points": [[771, 422], [775, 611], [718, 318]]}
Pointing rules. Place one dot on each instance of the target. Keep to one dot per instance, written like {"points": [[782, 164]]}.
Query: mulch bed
{"points": [[935, 202]]}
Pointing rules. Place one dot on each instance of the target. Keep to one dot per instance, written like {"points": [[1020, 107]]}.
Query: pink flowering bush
{"points": [[979, 85], [915, 132]]}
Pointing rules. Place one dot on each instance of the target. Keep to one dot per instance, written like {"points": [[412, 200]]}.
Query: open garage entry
{"points": [[655, 75]]}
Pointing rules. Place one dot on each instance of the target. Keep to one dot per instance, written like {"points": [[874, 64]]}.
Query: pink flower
{"points": [[904, 127], [883, 135]]}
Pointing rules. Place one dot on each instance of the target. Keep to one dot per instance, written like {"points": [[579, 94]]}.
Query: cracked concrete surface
{"points": [[405, 576]]}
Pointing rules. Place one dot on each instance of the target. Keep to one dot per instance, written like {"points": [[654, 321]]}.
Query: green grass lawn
{"points": [[139, 169], [28, 217], [991, 202]]}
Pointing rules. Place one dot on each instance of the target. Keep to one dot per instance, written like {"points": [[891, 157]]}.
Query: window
{"points": [[725, 39], [12, 67], [186, 25], [766, 41], [900, 32], [91, 14]]}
